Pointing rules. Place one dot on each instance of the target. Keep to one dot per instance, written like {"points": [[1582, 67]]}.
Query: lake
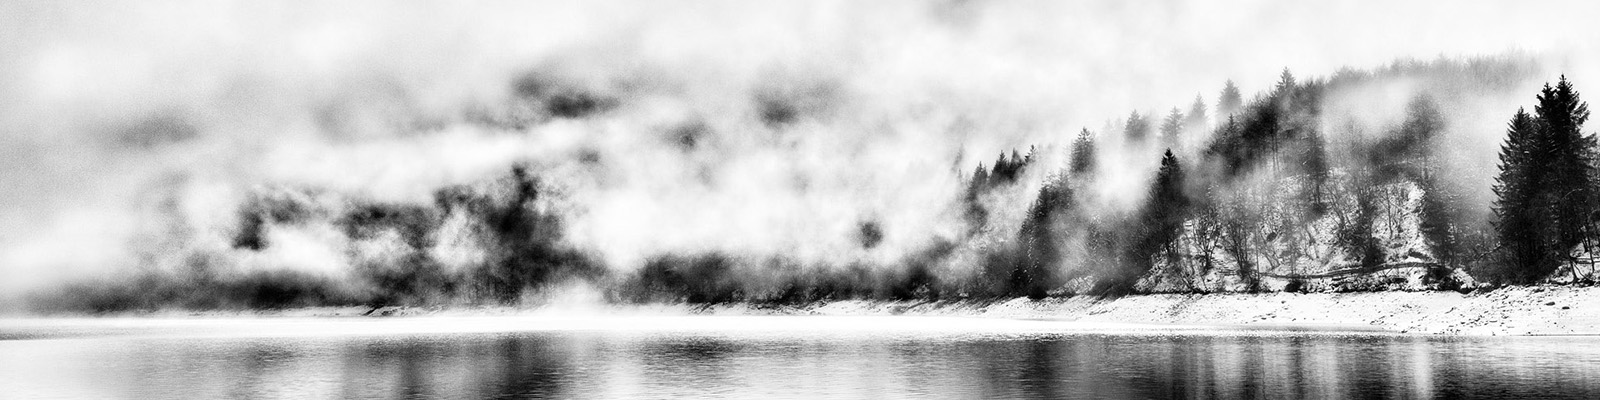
{"points": [[765, 357]]}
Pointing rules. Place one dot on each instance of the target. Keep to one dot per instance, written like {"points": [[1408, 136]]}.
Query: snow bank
{"points": [[1536, 310]]}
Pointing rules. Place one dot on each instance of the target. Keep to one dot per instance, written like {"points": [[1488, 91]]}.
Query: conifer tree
{"points": [[1197, 114], [1160, 222], [1229, 101], [1171, 128], [1137, 128], [980, 177], [1317, 169], [1423, 123], [1000, 173], [976, 214], [1567, 185], [1285, 82], [1514, 190], [1545, 191], [1034, 276], [1083, 153]]}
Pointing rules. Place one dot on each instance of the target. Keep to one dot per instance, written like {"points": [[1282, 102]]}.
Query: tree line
{"points": [[1242, 195]]}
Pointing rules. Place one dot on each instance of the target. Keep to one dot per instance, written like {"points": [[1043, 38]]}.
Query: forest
{"points": [[1288, 189]]}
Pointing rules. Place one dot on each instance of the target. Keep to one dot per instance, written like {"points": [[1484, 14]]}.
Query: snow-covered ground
{"points": [[1536, 310], [1532, 310]]}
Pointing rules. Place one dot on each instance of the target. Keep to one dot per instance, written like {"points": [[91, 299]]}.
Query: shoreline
{"points": [[1548, 310]]}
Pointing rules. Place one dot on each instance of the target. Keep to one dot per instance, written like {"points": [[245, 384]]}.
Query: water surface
{"points": [[766, 357]]}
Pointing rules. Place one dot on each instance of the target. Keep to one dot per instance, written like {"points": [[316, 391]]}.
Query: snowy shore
{"points": [[1536, 310], [1530, 310]]}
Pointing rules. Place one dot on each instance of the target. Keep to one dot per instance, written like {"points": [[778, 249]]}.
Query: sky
{"points": [[124, 125]]}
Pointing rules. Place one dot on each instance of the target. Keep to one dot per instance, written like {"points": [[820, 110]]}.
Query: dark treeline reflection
{"points": [[822, 366]]}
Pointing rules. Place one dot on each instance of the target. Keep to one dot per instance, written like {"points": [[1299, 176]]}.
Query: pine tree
{"points": [[1316, 167], [1001, 173], [976, 215], [1160, 222], [1083, 153], [1035, 275], [1285, 82], [1567, 185], [1423, 123], [1229, 101], [1197, 114], [1545, 191], [1171, 128], [1137, 128], [1514, 190], [980, 178]]}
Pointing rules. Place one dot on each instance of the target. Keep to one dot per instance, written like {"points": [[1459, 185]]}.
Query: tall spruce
{"points": [[1035, 275], [1285, 83], [1568, 191], [1159, 224], [1196, 118], [1545, 191], [1171, 127], [1417, 134], [1137, 129], [1316, 167], [1229, 101], [1083, 153], [1515, 190]]}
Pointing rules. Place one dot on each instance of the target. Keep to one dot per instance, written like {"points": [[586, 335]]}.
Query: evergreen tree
{"points": [[1285, 83], [1514, 190], [1160, 222], [1197, 114], [1438, 213], [1137, 129], [976, 215], [1230, 100], [1171, 128], [1317, 169], [1567, 185], [1000, 173], [980, 178], [1083, 153], [1545, 191], [1423, 123], [1035, 275]]}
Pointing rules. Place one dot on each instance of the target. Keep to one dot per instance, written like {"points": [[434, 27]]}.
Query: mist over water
{"points": [[333, 146]]}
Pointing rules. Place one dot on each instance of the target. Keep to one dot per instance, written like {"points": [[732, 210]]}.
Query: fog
{"points": [[133, 131]]}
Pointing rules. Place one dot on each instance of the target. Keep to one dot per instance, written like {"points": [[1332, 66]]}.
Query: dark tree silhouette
{"points": [[1083, 154], [1515, 190], [1171, 128], [1230, 100], [1006, 170], [1137, 129], [1159, 224], [1409, 152], [980, 177], [1035, 274], [1568, 182], [1545, 190], [1196, 118], [975, 214], [251, 233], [1285, 82], [1317, 170]]}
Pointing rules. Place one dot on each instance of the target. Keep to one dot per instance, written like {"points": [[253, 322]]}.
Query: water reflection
{"points": [[700, 365]]}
